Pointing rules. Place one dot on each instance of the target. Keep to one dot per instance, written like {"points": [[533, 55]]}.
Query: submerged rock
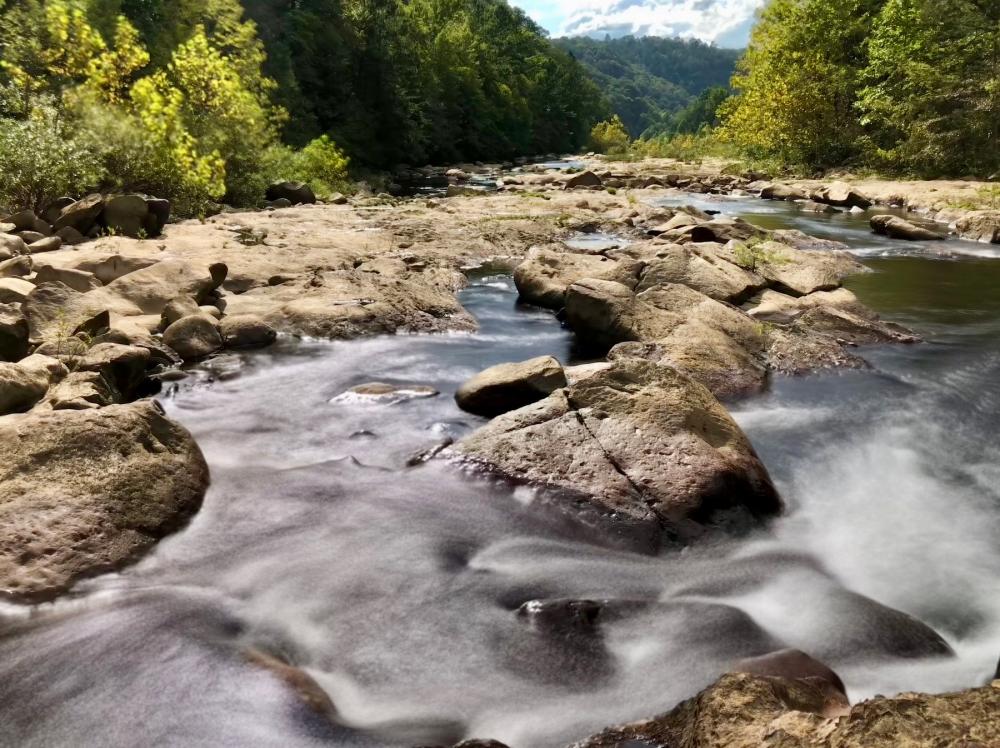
{"points": [[639, 440], [506, 387], [84, 492]]}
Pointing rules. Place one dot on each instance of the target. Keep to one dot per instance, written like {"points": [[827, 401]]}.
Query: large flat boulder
{"points": [[87, 491], [980, 226], [795, 271], [544, 276], [841, 195], [638, 440], [709, 268]]}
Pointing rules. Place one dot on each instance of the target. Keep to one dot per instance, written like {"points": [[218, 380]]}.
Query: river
{"points": [[396, 588]]}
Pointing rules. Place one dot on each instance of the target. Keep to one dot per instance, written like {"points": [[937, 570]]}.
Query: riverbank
{"points": [[384, 266]]}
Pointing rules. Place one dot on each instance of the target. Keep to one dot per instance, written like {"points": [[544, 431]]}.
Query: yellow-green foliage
{"points": [[683, 146], [610, 137], [322, 164]]}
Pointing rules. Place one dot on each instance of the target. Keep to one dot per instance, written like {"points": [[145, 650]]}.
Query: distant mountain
{"points": [[648, 80]]}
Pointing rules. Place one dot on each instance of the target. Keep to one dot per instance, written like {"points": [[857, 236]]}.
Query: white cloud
{"points": [[725, 22]]}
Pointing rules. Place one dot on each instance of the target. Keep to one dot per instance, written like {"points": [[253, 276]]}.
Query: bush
{"points": [[610, 137], [40, 160], [321, 164]]}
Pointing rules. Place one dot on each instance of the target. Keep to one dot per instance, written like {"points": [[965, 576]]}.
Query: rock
{"points": [[158, 215], [782, 192], [12, 246], [708, 268], [85, 492], [126, 215], [337, 199], [113, 267], [811, 206], [716, 344], [720, 230], [54, 209], [792, 664], [457, 190], [20, 388], [26, 220], [194, 336], [14, 333], [795, 351], [853, 326], [246, 331], [899, 228], [82, 390], [799, 272], [30, 237], [182, 306], [545, 275], [48, 244], [507, 387], [677, 221], [779, 307], [584, 179], [388, 394], [842, 195], [149, 289], [278, 204], [81, 215], [78, 280], [295, 192], [70, 236], [639, 441], [977, 226], [742, 710], [123, 366], [16, 267], [15, 290]]}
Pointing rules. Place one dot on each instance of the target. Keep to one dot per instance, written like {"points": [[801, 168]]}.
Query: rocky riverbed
{"points": [[676, 314]]}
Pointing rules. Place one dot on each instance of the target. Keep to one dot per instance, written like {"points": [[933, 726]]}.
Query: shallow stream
{"points": [[397, 587]]}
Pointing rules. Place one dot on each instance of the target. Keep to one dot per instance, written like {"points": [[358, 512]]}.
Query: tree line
{"points": [[208, 100]]}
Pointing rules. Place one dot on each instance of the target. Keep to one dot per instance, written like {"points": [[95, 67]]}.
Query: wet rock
{"points": [[811, 206], [475, 743], [779, 307], [246, 331], [713, 343], [638, 440], [16, 267], [782, 192], [296, 193], [584, 179], [561, 615], [12, 246], [15, 290], [84, 492], [193, 337], [78, 280], [793, 664], [841, 195], [81, 215], [853, 327], [545, 275], [978, 226], [747, 711], [303, 684], [899, 228], [507, 387], [709, 268], [14, 333], [795, 352]]}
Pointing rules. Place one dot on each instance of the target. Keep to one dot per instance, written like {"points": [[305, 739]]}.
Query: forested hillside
{"points": [[647, 81], [208, 100], [899, 85]]}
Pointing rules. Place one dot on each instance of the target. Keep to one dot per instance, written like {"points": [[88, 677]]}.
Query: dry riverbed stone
{"points": [[88, 491]]}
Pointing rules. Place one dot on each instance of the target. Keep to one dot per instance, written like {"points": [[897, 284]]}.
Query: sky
{"points": [[727, 23]]}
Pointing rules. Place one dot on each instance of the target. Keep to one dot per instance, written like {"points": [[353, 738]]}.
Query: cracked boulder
{"points": [[543, 278], [642, 442], [84, 492]]}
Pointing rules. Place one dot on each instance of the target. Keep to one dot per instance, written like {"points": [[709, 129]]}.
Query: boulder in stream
{"points": [[506, 387], [899, 228], [88, 491]]}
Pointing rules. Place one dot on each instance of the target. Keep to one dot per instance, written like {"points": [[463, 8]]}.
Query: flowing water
{"points": [[397, 588]]}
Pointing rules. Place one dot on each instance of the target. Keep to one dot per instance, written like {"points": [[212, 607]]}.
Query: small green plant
{"points": [[757, 252], [610, 137], [141, 234]]}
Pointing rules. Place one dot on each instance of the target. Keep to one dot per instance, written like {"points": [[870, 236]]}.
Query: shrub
{"points": [[610, 137], [40, 160]]}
